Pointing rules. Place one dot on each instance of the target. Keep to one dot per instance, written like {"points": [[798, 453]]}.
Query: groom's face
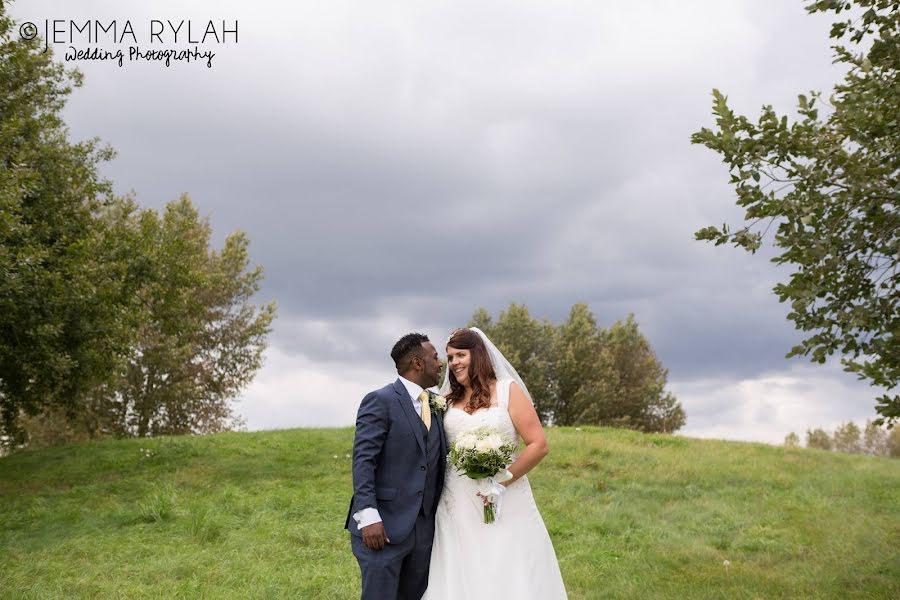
{"points": [[432, 364]]}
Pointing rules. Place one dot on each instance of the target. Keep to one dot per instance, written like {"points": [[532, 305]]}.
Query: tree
{"points": [[112, 319], [792, 440], [847, 438], [893, 443], [637, 396], [482, 320], [818, 438], [64, 310], [579, 374], [200, 340], [576, 349], [831, 183], [526, 343], [874, 439]]}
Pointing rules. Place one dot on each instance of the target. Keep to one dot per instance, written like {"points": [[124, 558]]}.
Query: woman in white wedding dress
{"points": [[512, 557]]}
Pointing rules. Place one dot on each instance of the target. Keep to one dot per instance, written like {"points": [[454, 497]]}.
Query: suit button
{"points": [[419, 493], [422, 467]]}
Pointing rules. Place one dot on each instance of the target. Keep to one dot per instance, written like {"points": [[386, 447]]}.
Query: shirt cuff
{"points": [[366, 517]]}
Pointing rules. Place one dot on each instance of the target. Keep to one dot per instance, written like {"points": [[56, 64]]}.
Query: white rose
{"points": [[495, 441], [466, 440], [489, 443]]}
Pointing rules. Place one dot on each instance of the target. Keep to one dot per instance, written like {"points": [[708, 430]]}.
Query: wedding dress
{"points": [[510, 558]]}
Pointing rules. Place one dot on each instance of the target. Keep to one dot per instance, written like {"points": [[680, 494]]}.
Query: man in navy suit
{"points": [[399, 455]]}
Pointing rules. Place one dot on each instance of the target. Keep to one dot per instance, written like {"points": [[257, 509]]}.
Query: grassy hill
{"points": [[260, 515]]}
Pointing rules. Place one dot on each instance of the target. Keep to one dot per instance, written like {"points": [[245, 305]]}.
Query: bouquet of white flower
{"points": [[481, 454]]}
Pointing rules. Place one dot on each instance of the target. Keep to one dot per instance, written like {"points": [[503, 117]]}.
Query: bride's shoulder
{"points": [[517, 394]]}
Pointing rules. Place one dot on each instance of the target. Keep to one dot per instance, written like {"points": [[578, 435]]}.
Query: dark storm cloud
{"points": [[395, 172]]}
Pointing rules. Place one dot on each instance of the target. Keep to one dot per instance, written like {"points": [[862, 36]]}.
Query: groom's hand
{"points": [[374, 537]]}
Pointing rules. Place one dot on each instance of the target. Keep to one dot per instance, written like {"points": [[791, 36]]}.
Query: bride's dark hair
{"points": [[481, 372]]}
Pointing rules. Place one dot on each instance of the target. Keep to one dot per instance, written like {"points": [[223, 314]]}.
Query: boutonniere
{"points": [[437, 403]]}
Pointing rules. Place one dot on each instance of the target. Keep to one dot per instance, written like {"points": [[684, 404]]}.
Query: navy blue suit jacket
{"points": [[389, 462]]}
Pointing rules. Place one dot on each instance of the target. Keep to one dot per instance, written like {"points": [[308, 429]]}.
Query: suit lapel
{"points": [[406, 405]]}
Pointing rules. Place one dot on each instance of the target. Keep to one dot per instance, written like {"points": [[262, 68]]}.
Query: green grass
{"points": [[260, 515]]}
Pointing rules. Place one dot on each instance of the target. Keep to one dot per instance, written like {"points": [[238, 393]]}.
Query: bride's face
{"points": [[458, 361]]}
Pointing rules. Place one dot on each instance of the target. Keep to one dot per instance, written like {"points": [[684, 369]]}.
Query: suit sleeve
{"points": [[371, 430]]}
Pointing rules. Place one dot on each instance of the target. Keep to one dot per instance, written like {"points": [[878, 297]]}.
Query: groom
{"points": [[398, 473]]}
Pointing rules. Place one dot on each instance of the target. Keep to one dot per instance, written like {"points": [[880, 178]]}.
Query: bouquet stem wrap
{"points": [[491, 490]]}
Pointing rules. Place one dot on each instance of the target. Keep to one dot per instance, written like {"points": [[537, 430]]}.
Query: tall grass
{"points": [[260, 515]]}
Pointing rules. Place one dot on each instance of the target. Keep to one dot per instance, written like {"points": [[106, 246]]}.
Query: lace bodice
{"points": [[458, 421]]}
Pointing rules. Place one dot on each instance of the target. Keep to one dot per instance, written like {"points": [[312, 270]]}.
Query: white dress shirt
{"points": [[369, 515]]}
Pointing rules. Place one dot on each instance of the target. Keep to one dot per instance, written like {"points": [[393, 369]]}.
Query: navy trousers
{"points": [[398, 570]]}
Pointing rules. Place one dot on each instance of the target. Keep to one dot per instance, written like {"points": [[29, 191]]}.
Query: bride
{"points": [[512, 557]]}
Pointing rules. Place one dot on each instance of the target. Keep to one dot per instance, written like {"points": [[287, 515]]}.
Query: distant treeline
{"points": [[582, 374], [849, 437]]}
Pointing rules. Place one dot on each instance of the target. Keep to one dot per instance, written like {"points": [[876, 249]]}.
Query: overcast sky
{"points": [[399, 164]]}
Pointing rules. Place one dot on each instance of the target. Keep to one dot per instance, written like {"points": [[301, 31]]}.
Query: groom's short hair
{"points": [[406, 347]]}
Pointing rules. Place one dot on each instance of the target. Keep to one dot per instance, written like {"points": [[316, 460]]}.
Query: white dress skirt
{"points": [[510, 558]]}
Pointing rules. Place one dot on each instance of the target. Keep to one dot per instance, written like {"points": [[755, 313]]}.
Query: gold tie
{"points": [[426, 409]]}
